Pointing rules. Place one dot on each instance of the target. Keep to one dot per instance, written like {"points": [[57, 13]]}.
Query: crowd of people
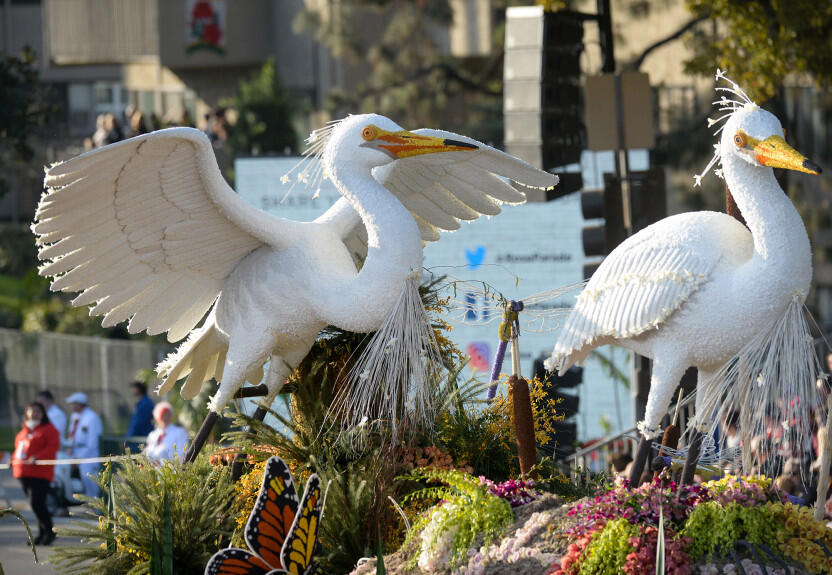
{"points": [[793, 462], [110, 129], [47, 436]]}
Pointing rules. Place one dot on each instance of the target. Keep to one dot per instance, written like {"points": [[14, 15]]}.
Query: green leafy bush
{"points": [[608, 551], [130, 519], [467, 511]]}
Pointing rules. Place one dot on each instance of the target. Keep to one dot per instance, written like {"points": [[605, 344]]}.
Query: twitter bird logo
{"points": [[475, 257]]}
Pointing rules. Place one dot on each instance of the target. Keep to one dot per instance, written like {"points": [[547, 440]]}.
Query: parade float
{"points": [[405, 469]]}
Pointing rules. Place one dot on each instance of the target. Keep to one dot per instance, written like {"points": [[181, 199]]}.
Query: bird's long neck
{"points": [[781, 245], [394, 251]]}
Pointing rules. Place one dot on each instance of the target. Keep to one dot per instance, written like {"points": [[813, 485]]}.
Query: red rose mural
{"points": [[205, 26]]}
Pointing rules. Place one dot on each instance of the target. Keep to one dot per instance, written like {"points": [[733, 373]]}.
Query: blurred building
{"points": [[175, 60]]}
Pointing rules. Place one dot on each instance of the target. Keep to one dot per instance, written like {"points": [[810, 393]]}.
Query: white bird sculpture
{"points": [[148, 231], [700, 289]]}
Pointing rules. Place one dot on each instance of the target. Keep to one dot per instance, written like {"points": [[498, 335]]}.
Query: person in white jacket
{"points": [[167, 440], [82, 439], [56, 415]]}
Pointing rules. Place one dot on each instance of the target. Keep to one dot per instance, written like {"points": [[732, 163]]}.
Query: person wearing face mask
{"points": [[37, 440]]}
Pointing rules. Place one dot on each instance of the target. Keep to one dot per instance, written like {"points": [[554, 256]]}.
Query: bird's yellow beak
{"points": [[776, 153], [406, 144]]}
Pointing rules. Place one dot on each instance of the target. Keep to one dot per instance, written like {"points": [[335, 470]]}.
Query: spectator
{"points": [[37, 439], [732, 433], [84, 435], [113, 127], [167, 440], [209, 128], [619, 462], [138, 125], [55, 414], [141, 422], [99, 137]]}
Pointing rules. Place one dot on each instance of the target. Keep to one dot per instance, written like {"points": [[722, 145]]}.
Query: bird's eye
{"points": [[739, 139], [368, 133]]}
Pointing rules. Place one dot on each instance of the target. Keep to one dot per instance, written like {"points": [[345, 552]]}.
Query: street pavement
{"points": [[15, 554]]}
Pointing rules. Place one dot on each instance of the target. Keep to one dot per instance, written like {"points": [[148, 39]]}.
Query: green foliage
{"points": [[264, 115], [478, 436], [198, 521], [608, 551], [161, 558], [410, 77], [25, 300], [660, 549], [760, 43], [468, 511], [713, 527], [21, 109], [14, 512]]}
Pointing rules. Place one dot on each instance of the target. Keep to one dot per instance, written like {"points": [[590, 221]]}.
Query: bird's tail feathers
{"points": [[391, 383], [200, 357], [770, 382]]}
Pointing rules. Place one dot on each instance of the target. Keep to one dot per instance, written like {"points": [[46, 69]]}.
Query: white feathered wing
{"points": [[643, 281], [442, 189], [148, 230]]}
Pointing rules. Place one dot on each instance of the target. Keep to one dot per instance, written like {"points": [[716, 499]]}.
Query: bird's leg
{"points": [[663, 382], [697, 433], [204, 431], [692, 457], [279, 370], [640, 459], [233, 377]]}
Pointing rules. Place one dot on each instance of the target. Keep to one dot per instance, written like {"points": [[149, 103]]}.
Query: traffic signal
{"points": [[600, 238], [542, 100], [648, 198]]}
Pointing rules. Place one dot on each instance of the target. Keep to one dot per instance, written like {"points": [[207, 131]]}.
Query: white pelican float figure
{"points": [[700, 289], [148, 231]]}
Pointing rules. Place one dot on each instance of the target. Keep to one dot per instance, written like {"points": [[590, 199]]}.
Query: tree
{"points": [[264, 116], [22, 110], [760, 43], [408, 76]]}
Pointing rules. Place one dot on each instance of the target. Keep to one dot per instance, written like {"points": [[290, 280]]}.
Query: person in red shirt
{"points": [[38, 439]]}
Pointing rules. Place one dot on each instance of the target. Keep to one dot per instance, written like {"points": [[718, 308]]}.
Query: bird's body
{"points": [[698, 289], [148, 231]]}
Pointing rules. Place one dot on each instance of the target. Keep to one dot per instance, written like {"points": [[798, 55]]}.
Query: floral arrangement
{"points": [[431, 456], [196, 500], [747, 566], [512, 549], [483, 437], [618, 530], [516, 491], [466, 511]]}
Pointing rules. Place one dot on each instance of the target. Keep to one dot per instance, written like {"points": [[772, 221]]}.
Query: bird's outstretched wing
{"points": [[647, 278], [442, 189], [147, 229]]}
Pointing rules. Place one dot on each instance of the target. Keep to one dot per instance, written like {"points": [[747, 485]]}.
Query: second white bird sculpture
{"points": [[148, 231], [700, 289]]}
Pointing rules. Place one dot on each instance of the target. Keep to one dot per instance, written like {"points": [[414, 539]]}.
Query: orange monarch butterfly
{"points": [[281, 533]]}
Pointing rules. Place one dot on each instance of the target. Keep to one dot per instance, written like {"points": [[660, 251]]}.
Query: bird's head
{"points": [[750, 133], [372, 140], [757, 137]]}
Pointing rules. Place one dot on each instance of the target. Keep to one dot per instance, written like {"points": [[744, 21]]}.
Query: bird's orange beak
{"points": [[776, 153], [406, 144]]}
